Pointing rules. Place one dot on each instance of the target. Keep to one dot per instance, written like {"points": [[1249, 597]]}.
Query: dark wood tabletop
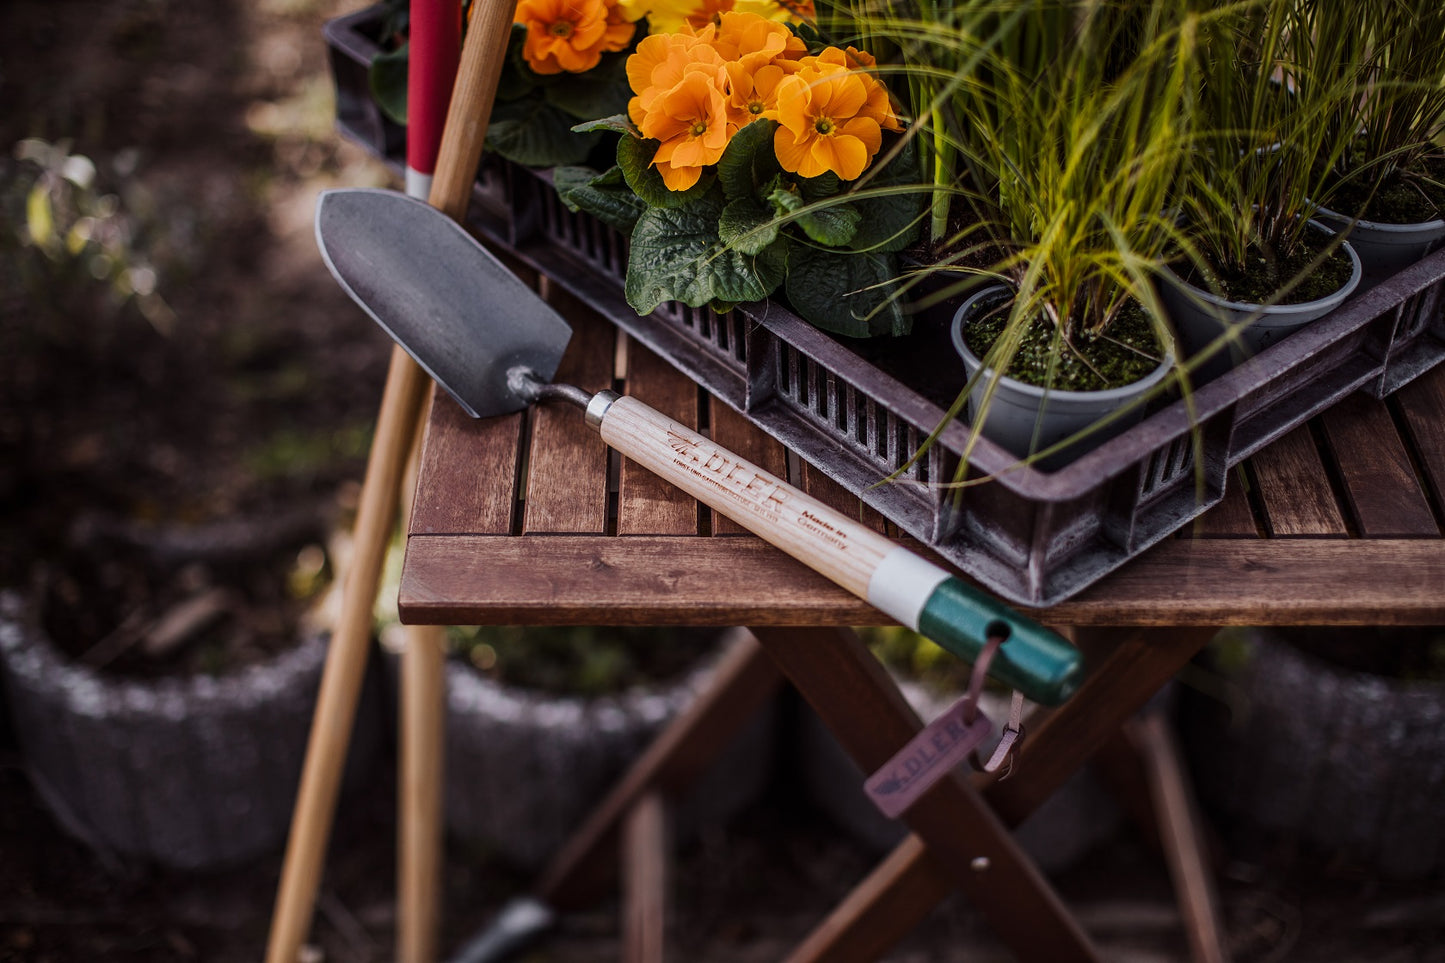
{"points": [[529, 519]]}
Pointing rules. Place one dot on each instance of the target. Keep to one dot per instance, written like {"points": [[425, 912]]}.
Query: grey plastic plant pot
{"points": [[1025, 419], [1201, 317], [1387, 248]]}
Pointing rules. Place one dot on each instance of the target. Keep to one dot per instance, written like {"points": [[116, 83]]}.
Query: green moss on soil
{"points": [[1269, 271], [1128, 351], [1403, 198]]}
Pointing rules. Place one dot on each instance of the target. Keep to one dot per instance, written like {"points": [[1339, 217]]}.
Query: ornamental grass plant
{"points": [[1394, 166], [1059, 134], [1071, 134], [1275, 89]]}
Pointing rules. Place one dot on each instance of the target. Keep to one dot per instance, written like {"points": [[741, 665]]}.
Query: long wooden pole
{"points": [[406, 385], [435, 44]]}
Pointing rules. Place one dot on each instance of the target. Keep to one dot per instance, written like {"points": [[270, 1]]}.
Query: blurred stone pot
{"points": [[1347, 761], [524, 767], [193, 773]]}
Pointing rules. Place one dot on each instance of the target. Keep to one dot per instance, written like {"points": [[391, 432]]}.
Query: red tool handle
{"points": [[433, 54]]}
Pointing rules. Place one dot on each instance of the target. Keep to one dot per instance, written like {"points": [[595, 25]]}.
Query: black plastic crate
{"points": [[1033, 537]]}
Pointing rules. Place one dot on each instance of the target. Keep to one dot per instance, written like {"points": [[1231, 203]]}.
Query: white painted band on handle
{"points": [[901, 585], [418, 184]]}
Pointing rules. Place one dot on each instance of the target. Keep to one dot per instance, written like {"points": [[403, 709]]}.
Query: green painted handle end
{"points": [[1039, 663]]}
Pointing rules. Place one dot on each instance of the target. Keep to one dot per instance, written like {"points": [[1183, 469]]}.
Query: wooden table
{"points": [[529, 519]]}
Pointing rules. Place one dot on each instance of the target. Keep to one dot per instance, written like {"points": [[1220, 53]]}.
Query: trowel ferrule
{"points": [[526, 385]]}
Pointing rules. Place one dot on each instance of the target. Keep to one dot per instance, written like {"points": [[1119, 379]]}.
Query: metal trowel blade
{"points": [[443, 297]]}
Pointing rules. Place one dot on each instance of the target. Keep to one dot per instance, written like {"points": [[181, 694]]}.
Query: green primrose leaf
{"points": [[599, 92], [517, 79], [890, 221], [620, 123], [747, 226], [536, 134], [841, 293], [809, 35], [749, 163], [634, 156], [606, 196], [678, 256], [387, 78], [817, 188], [833, 225]]}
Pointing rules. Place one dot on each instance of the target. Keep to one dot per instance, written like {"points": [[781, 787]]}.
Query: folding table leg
{"points": [[1124, 670], [1178, 824], [745, 679], [645, 855], [857, 700], [419, 795]]}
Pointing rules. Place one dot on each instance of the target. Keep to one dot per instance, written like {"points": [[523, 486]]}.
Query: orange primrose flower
{"points": [[753, 93], [692, 122], [879, 106], [823, 124], [754, 41], [659, 63], [571, 35]]}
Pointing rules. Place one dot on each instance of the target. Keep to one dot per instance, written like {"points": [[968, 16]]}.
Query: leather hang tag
{"points": [[942, 745]]}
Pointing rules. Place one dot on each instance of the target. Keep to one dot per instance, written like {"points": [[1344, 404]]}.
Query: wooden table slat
{"points": [[1232, 517], [648, 504], [567, 461], [489, 447], [1422, 405], [1294, 488], [736, 433], [835, 496], [1380, 482], [681, 580]]}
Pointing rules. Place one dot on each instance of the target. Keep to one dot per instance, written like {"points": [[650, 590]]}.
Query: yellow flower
{"points": [[823, 121], [799, 10], [571, 35], [780, 10], [633, 10], [692, 122], [668, 16]]}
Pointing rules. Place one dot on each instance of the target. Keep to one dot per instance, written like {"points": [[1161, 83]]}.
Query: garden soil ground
{"points": [[242, 389]]}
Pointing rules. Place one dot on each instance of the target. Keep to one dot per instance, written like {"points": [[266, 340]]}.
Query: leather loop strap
{"points": [[1013, 732]]}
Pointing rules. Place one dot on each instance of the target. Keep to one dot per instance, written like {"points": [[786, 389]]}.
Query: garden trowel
{"points": [[494, 345]]}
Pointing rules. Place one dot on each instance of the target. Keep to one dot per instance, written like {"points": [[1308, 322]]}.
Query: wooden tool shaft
{"points": [[345, 661], [483, 55], [917, 593]]}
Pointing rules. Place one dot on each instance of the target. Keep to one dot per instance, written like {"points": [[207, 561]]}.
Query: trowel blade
{"points": [[443, 297]]}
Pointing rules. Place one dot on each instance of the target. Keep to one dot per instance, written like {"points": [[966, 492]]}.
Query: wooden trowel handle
{"points": [[917, 593]]}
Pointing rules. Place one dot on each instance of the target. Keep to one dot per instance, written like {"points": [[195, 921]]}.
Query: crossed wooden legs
{"points": [[1124, 670], [960, 837]]}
